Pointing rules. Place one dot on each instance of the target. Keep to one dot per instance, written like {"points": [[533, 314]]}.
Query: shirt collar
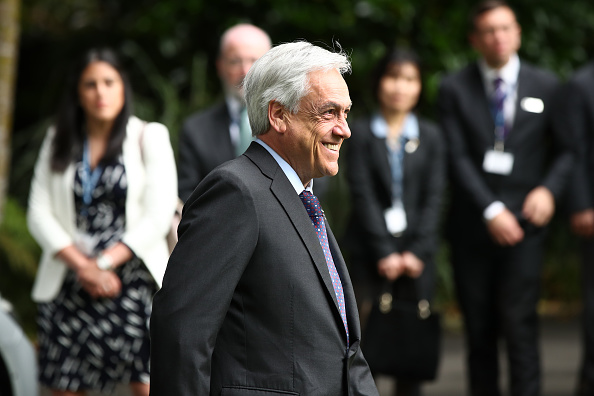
{"points": [[508, 73], [287, 169], [410, 128]]}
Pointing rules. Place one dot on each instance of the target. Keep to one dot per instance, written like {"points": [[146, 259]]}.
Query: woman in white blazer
{"points": [[102, 199]]}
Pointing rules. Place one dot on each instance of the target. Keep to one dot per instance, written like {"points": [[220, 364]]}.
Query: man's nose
{"points": [[245, 66], [342, 129]]}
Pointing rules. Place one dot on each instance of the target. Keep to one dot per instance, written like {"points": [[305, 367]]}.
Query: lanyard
{"points": [[89, 179], [396, 159]]}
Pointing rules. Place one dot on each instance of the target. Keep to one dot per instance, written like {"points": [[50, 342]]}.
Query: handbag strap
{"points": [[387, 301]]}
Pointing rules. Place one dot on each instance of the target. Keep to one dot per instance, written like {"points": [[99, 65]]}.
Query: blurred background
{"points": [[169, 49]]}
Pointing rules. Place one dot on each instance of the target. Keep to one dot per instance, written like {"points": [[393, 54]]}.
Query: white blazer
{"points": [[150, 204]]}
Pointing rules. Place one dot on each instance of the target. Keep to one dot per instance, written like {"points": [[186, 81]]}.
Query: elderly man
{"points": [[221, 132], [257, 299], [505, 181]]}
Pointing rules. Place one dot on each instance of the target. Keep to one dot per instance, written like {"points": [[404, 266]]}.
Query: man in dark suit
{"points": [[508, 168], [255, 299], [576, 115], [221, 132]]}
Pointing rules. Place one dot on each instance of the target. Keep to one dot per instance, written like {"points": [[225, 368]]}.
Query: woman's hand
{"points": [[390, 267], [99, 283], [413, 266]]}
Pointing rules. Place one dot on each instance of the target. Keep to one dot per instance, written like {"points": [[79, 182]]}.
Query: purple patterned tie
{"points": [[498, 109], [316, 214]]}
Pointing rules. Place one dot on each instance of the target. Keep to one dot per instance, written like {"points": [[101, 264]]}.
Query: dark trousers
{"points": [[498, 290], [586, 376]]}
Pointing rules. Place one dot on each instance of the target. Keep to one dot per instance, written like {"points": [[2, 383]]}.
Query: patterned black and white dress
{"points": [[87, 343]]}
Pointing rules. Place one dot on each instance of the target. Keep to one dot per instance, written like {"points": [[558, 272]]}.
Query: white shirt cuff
{"points": [[493, 210]]}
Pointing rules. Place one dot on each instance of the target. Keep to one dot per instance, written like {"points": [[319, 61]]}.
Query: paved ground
{"points": [[560, 351], [560, 348]]}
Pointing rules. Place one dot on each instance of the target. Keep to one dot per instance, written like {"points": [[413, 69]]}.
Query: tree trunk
{"points": [[9, 33]]}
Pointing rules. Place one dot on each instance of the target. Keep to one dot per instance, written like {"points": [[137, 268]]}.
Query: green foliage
{"points": [[18, 249], [169, 49], [19, 255]]}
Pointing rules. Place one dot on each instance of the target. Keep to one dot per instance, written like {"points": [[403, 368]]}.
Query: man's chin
{"points": [[236, 94]]}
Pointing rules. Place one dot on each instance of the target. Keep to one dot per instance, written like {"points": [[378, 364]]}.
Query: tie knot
{"points": [[498, 82], [312, 204]]}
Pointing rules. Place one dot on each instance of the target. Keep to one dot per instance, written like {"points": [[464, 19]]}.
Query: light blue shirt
{"points": [[509, 74], [410, 130], [288, 170]]}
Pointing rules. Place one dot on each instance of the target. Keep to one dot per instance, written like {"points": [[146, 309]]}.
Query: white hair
{"points": [[282, 75]]}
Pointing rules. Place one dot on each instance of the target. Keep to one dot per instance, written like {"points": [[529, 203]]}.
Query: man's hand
{"points": [[582, 223], [413, 266], [391, 267], [539, 206], [505, 229]]}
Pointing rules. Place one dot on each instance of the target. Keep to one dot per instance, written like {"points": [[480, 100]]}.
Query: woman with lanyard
{"points": [[102, 199], [395, 170]]}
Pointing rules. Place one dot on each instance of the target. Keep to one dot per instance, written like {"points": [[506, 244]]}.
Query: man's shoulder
{"points": [[584, 75], [541, 74], [202, 119], [256, 160], [460, 78], [468, 71]]}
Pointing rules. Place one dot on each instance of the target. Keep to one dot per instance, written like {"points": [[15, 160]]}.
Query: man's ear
{"points": [[277, 116]]}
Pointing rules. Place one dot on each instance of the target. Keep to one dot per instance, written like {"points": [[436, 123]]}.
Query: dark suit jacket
{"points": [[247, 305], [542, 155], [576, 118], [204, 144], [370, 182]]}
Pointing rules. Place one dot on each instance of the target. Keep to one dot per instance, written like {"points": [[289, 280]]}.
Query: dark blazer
{"points": [[204, 144], [370, 182], [247, 305], [542, 155], [576, 117]]}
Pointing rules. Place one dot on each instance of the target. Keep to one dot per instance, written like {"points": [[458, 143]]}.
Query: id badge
{"points": [[395, 218], [498, 162]]}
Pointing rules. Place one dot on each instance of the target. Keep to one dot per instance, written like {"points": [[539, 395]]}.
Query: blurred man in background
{"points": [[221, 132], [505, 181]]}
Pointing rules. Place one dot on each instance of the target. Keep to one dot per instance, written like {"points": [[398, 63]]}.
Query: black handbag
{"points": [[402, 339]]}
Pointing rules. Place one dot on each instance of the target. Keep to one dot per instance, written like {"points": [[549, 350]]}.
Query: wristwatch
{"points": [[104, 262]]}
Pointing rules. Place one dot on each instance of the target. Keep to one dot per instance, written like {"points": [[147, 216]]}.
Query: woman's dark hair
{"points": [[70, 120], [396, 55]]}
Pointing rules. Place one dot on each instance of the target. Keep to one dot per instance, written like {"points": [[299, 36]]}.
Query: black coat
{"points": [[370, 183], [543, 155], [204, 144]]}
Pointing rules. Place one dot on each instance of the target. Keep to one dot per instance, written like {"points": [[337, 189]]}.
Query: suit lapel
{"points": [[379, 152], [523, 90], [480, 104], [285, 193], [292, 204], [222, 121]]}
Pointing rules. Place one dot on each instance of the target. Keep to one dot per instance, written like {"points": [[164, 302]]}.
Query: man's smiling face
{"points": [[319, 127]]}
